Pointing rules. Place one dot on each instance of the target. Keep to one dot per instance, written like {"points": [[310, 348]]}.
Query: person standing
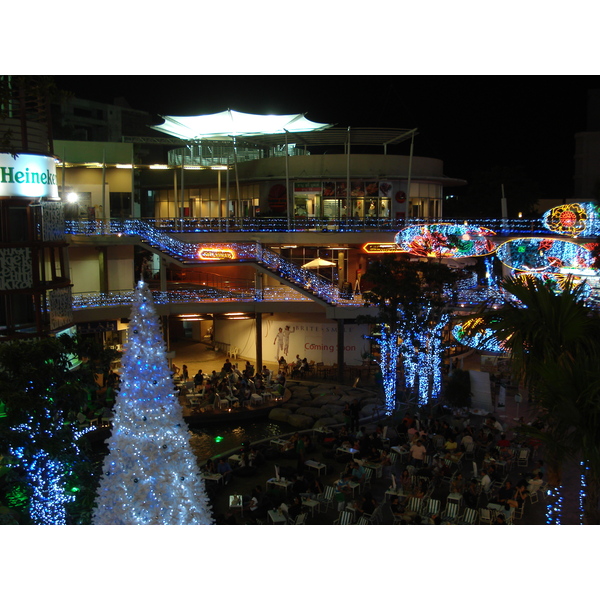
{"points": [[278, 343]]}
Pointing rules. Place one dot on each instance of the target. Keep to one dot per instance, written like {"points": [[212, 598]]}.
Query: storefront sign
{"points": [[301, 187], [216, 254], [382, 248], [28, 176]]}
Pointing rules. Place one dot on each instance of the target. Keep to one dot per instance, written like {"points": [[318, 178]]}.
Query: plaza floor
{"points": [[198, 356]]}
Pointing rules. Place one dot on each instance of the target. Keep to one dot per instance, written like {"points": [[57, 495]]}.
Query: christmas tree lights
{"points": [[150, 475]]}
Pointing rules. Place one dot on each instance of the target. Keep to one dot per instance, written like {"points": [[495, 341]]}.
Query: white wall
{"points": [[312, 338], [85, 272], [120, 267]]}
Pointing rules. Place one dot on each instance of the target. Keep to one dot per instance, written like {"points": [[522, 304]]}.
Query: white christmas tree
{"points": [[150, 475]]}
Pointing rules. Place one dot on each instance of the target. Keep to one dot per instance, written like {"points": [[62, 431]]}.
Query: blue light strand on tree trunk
{"points": [[45, 475], [582, 490], [554, 500]]}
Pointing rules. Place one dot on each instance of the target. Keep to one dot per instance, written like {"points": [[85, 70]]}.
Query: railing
{"points": [[502, 227]]}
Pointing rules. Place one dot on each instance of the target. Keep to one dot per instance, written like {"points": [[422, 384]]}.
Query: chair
{"points": [[431, 508], [345, 518], [326, 498], [367, 479], [221, 401], [451, 512], [376, 516], [541, 491], [468, 518], [363, 521], [523, 459], [414, 505], [486, 516], [299, 520], [518, 514], [470, 451]]}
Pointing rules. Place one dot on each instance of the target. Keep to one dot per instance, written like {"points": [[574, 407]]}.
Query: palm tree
{"points": [[554, 342]]}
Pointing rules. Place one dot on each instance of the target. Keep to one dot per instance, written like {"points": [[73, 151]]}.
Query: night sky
{"points": [[471, 122]]}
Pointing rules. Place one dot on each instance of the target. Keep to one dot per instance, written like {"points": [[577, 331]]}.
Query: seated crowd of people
{"points": [[234, 384]]}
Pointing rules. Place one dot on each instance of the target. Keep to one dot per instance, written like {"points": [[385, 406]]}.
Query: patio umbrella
{"points": [[318, 262]]}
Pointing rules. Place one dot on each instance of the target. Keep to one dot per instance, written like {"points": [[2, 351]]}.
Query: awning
{"points": [[230, 123]]}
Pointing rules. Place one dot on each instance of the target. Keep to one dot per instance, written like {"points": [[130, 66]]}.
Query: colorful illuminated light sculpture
{"points": [[544, 255], [574, 220], [150, 475], [445, 240], [466, 335]]}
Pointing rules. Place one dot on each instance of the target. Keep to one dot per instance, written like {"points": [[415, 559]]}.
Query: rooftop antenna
{"points": [[503, 207]]}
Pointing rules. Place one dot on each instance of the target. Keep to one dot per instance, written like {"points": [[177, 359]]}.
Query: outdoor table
{"points": [[499, 508], [313, 464], [351, 451], [279, 443], [213, 477], [277, 518], [353, 485], [392, 492], [236, 501], [375, 467], [400, 450], [234, 458], [312, 504], [281, 483]]}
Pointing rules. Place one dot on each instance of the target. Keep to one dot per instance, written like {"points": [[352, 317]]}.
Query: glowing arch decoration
{"points": [[577, 219], [545, 255], [480, 340], [445, 240]]}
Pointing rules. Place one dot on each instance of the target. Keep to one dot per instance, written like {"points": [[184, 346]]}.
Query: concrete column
{"points": [[340, 349], [103, 268], [258, 326]]}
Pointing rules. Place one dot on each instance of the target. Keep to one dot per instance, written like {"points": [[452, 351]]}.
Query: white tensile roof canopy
{"points": [[230, 123]]}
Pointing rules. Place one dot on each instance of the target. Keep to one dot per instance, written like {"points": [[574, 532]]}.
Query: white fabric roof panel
{"points": [[231, 123]]}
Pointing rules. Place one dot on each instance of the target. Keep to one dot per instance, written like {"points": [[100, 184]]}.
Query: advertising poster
{"points": [[313, 341]]}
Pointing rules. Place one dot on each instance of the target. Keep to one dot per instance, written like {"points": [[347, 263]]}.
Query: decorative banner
{"points": [[357, 189], [578, 219], [371, 188], [385, 188], [329, 189], [277, 198], [545, 254], [28, 176], [445, 240]]}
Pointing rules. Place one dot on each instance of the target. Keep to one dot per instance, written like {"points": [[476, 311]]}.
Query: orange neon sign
{"points": [[216, 254], [372, 248]]}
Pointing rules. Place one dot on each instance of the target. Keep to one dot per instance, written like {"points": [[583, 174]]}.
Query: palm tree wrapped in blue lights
{"points": [[150, 475]]}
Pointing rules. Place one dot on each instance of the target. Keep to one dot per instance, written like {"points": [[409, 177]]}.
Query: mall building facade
{"points": [[336, 196]]}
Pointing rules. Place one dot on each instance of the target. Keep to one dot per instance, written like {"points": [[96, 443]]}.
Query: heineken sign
{"points": [[28, 175]]}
